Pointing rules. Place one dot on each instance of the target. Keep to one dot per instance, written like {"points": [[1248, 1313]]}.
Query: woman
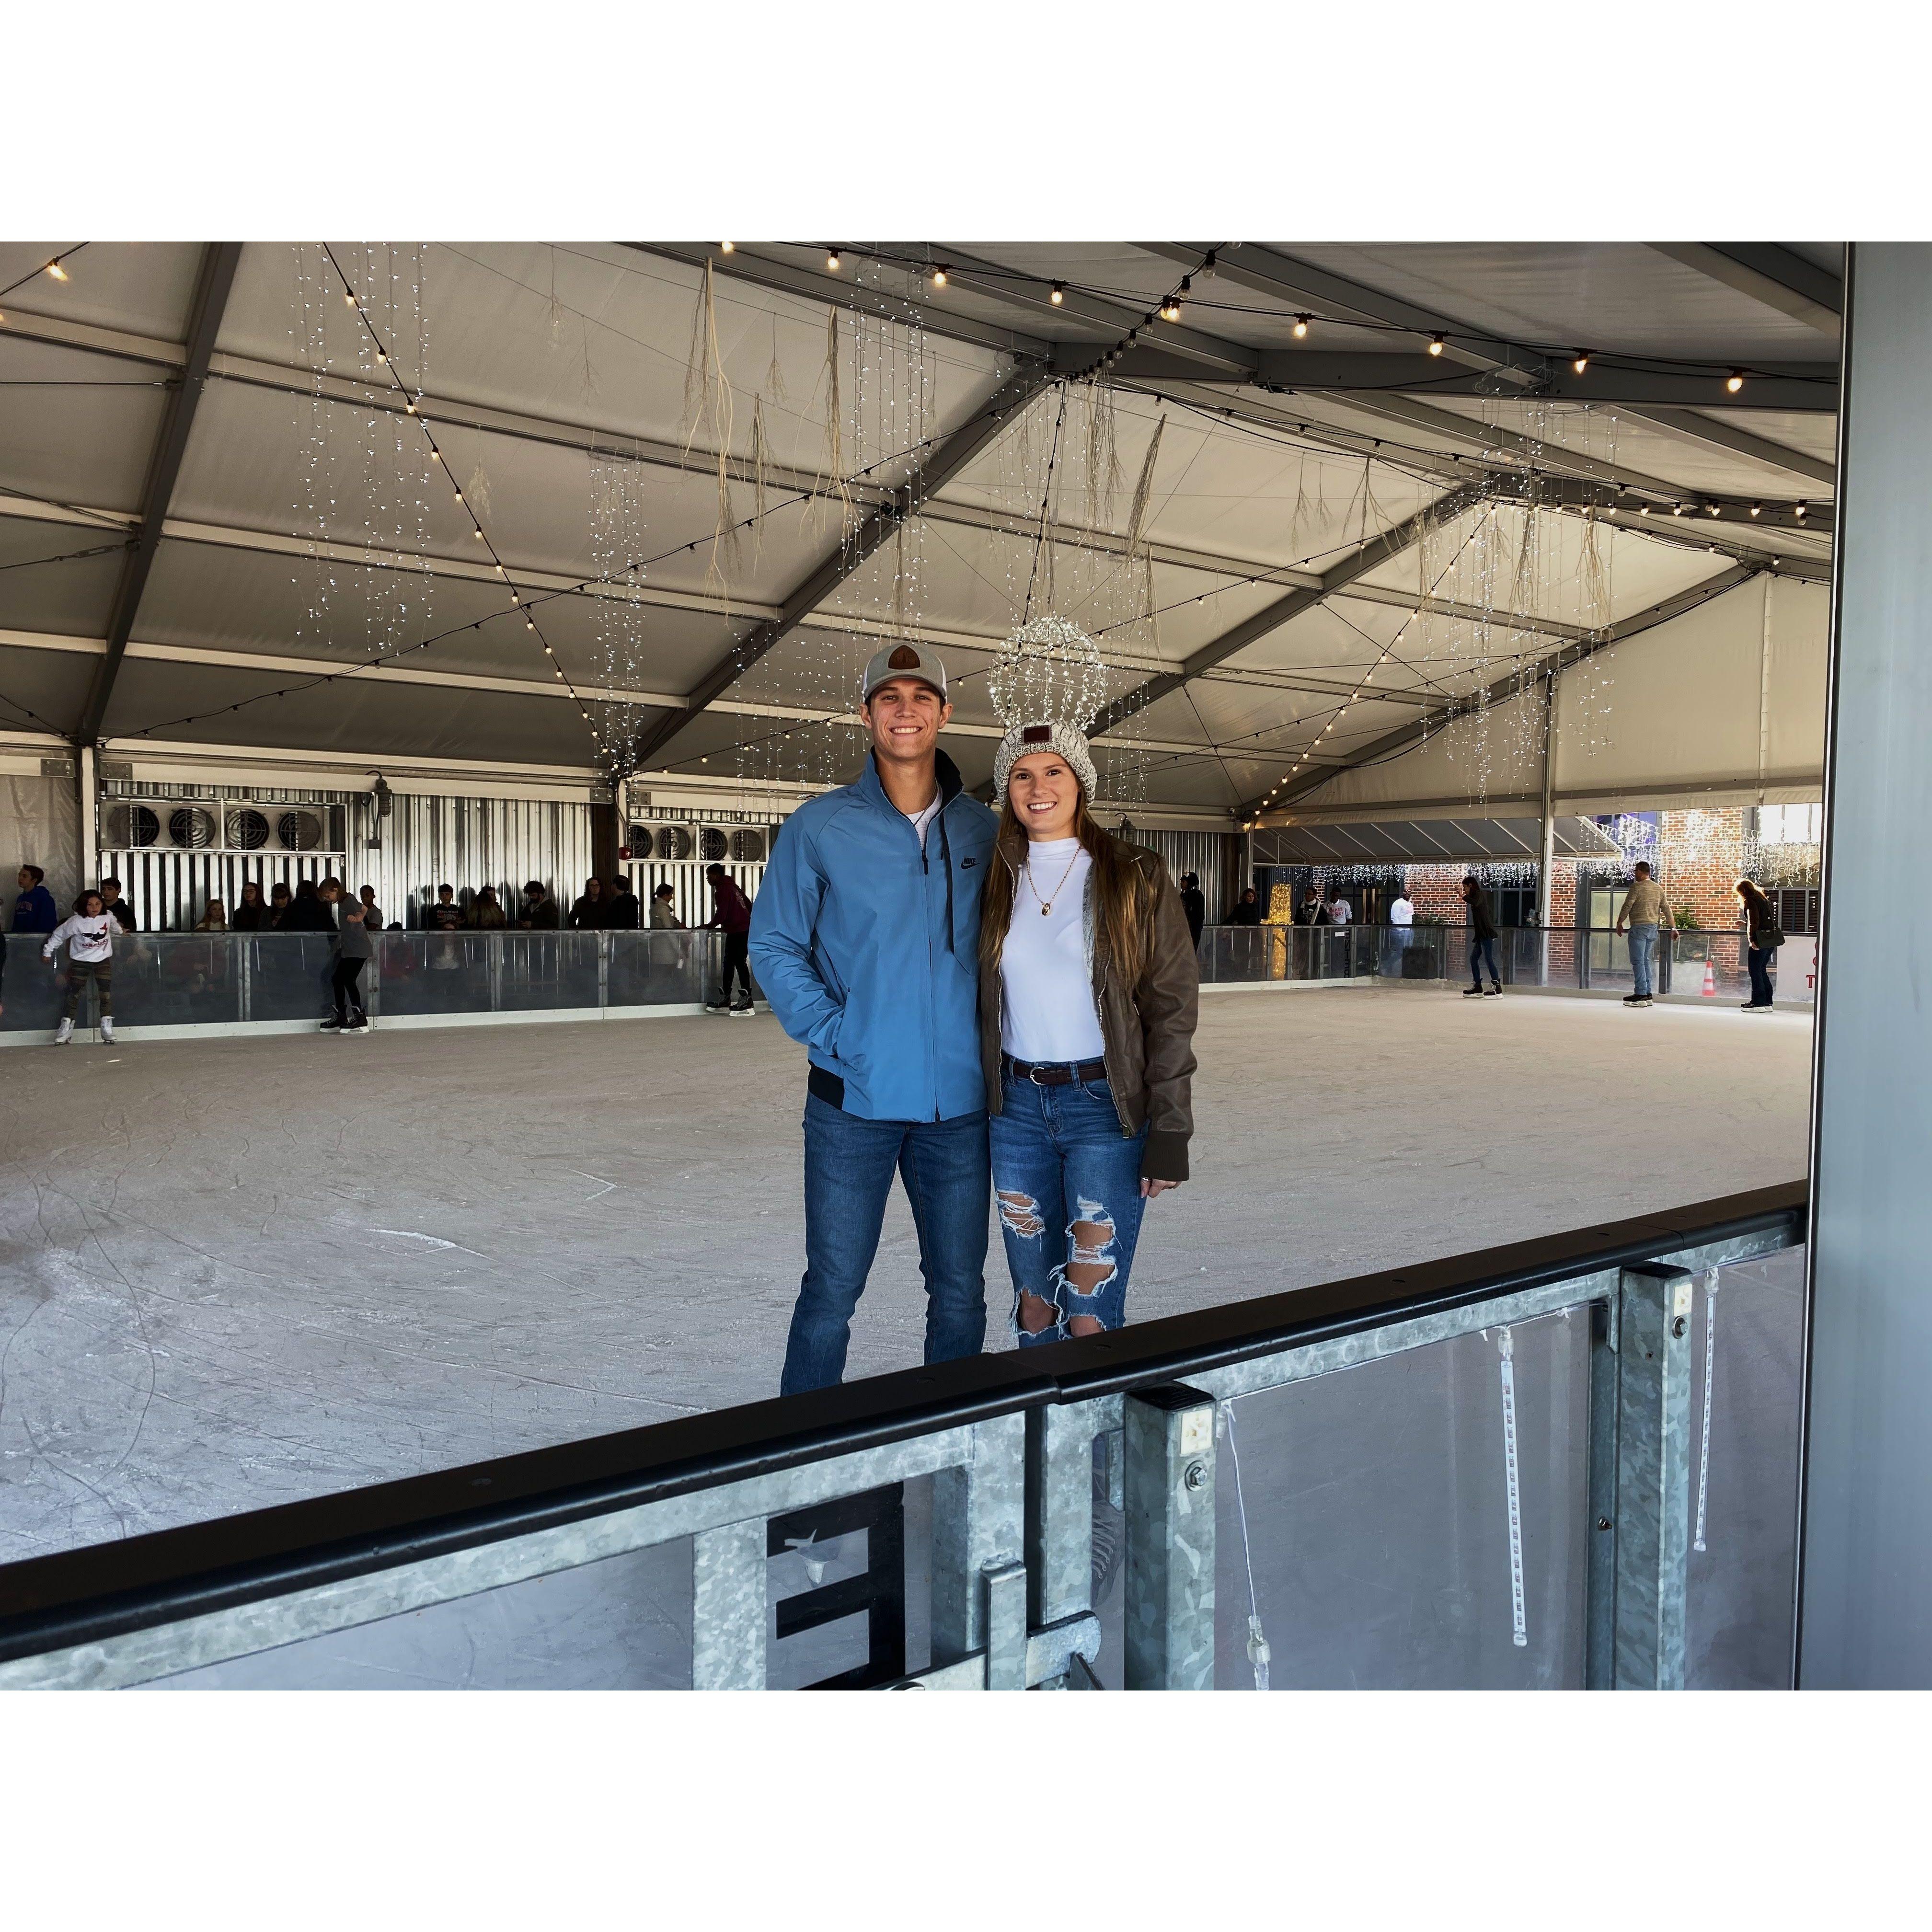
{"points": [[1764, 937], [486, 912], [1088, 993], [214, 920], [664, 913], [250, 914], [279, 903], [1482, 940]]}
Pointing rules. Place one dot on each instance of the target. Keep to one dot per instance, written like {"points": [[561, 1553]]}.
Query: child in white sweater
{"points": [[89, 936]]}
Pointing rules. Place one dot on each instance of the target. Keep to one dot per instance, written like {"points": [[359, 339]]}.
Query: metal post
{"points": [[1650, 1520], [1060, 1510], [979, 1518], [87, 790], [603, 971], [727, 1607], [1170, 1562], [1600, 1598], [1546, 891]]}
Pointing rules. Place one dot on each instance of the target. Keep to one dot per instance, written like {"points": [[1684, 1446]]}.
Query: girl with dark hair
{"points": [[89, 936], [1087, 996], [1482, 939], [1763, 937]]}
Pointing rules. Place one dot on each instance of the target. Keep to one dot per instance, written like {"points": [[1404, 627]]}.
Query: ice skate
{"points": [[65, 1032], [1472, 992], [106, 1029]]}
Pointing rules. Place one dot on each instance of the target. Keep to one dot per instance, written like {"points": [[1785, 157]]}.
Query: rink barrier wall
{"points": [[1009, 1444]]}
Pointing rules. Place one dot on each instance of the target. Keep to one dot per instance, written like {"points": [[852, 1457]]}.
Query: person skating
{"points": [[352, 952], [731, 914], [1645, 914], [1088, 993], [1763, 937], [864, 937], [89, 935], [1482, 940]]}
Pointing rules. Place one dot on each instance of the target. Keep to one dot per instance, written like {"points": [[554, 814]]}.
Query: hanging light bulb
{"points": [[726, 248], [1301, 322], [1757, 509], [832, 261], [349, 297], [939, 275], [1059, 294], [1582, 360], [479, 535], [1800, 512], [1170, 311], [435, 456], [1716, 509], [1436, 345], [1677, 509], [55, 269], [1735, 381]]}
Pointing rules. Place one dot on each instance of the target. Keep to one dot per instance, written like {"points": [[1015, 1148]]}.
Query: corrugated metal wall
{"points": [[1211, 854]]}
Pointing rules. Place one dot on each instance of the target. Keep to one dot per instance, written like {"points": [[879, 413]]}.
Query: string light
{"points": [[1757, 509], [1677, 509], [1301, 322], [55, 269], [832, 261], [1170, 311], [1735, 381], [1436, 345], [1058, 295], [1582, 360], [1716, 509], [1800, 512], [349, 297], [727, 247], [939, 275]]}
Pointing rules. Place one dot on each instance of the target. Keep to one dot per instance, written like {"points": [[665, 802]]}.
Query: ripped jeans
{"points": [[1067, 1183]]}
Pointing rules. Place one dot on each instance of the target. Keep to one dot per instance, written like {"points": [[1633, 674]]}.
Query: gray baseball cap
{"points": [[903, 660]]}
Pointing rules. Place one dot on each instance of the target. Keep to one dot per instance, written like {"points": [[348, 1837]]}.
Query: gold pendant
{"points": [[1046, 908]]}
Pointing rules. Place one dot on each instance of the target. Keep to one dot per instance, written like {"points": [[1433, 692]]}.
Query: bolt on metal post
{"points": [[1169, 1637]]}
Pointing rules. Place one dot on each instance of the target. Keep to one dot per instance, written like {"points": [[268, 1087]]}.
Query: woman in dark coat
{"points": [[1761, 944], [250, 914], [1482, 940]]}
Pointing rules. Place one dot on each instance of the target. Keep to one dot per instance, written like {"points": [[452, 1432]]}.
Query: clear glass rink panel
{"points": [[663, 969], [433, 972], [622, 1623], [1739, 1604], [548, 970], [1377, 1520]]}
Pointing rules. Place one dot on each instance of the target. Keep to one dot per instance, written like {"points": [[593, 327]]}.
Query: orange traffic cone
{"points": [[1710, 979]]}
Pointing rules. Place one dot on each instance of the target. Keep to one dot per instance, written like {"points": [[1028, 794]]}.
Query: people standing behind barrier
{"points": [[352, 951], [89, 935], [307, 912], [214, 920], [34, 910], [1763, 937], [1194, 904], [664, 917], [866, 934], [1339, 910], [1247, 911], [1307, 911], [1482, 940], [588, 913], [250, 915], [625, 915], [372, 914], [486, 911], [730, 914], [115, 906], [1645, 914], [1088, 994], [446, 916], [279, 900], [538, 912], [1401, 933]]}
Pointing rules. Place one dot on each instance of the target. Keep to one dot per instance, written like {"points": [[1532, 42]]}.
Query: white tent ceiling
{"points": [[301, 530]]}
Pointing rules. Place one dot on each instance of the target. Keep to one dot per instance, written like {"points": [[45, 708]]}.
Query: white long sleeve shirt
{"points": [[90, 939], [1047, 1014]]}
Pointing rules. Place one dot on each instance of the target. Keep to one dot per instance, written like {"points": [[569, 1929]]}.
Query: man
{"points": [[1339, 910], [1401, 931], [1195, 905], [588, 913], [625, 915], [34, 909], [866, 939], [1311, 911], [539, 913], [112, 901], [730, 914], [1644, 912], [446, 916]]}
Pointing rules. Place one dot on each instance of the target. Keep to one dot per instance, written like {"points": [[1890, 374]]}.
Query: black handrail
{"points": [[85, 1595]]}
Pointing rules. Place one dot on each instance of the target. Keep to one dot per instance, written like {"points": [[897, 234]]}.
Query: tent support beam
{"points": [[210, 298]]}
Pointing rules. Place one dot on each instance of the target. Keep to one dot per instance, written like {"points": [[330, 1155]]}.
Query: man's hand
{"points": [[1150, 1187]]}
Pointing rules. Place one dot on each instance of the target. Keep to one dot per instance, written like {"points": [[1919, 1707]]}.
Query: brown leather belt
{"points": [[1059, 1075]]}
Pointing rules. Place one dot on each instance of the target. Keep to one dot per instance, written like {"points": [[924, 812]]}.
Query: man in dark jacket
{"points": [[111, 900], [625, 915], [1194, 905], [731, 914], [1482, 940], [34, 909], [539, 913]]}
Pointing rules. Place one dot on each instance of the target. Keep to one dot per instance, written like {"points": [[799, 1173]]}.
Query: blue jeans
{"points": [[849, 1164], [1642, 952], [1479, 949], [1068, 1184]]}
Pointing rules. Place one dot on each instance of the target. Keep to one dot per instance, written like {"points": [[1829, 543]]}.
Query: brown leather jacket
{"points": [[1148, 1027]]}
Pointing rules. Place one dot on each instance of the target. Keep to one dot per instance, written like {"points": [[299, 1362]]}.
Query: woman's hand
{"points": [[1150, 1187]]}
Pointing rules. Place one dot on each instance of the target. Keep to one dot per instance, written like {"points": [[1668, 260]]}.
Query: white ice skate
{"points": [[65, 1033], [106, 1029]]}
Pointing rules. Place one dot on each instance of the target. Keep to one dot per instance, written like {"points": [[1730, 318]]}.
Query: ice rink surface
{"points": [[235, 1272]]}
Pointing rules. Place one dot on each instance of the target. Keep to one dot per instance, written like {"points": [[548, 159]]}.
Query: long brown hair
{"points": [[1123, 910]]}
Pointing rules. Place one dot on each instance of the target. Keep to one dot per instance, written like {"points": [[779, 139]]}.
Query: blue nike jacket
{"points": [[867, 948]]}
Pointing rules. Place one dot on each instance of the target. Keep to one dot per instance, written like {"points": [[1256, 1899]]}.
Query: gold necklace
{"points": [[1046, 905]]}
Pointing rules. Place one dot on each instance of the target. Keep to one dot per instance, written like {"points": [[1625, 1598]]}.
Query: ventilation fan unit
{"points": [[248, 830], [674, 841], [713, 843], [192, 827], [747, 847], [299, 831], [130, 827]]}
